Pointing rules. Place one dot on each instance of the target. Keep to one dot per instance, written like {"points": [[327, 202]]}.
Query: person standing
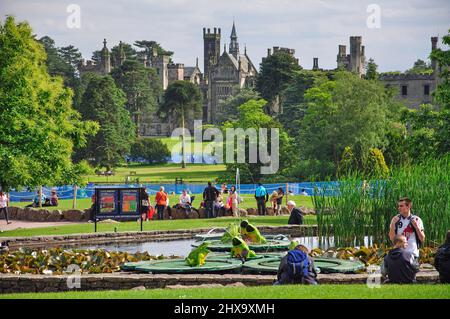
{"points": [[210, 195], [408, 225], [261, 197], [4, 202], [185, 203], [234, 201], [442, 261], [145, 205], [279, 200], [161, 202], [400, 265]]}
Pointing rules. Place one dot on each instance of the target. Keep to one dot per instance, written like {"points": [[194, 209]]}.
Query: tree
{"points": [[371, 70], [276, 72], [181, 99], [103, 102], [294, 105], [442, 58], [141, 86], [420, 67], [149, 46], [251, 115], [128, 50], [231, 105], [150, 149], [345, 111], [39, 128]]}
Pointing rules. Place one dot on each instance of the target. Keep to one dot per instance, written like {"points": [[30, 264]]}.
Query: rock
{"points": [[270, 211], [73, 215], [242, 212], [86, 214], [307, 211], [194, 286], [109, 221], [12, 212], [54, 216], [193, 215], [202, 213], [251, 211], [228, 212], [284, 210], [138, 288], [178, 213], [235, 284]]}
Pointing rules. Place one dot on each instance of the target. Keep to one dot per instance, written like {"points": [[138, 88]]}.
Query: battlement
{"points": [[405, 77], [176, 66], [208, 34]]}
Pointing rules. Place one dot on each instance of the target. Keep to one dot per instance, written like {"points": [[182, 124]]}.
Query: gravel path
{"points": [[17, 224]]}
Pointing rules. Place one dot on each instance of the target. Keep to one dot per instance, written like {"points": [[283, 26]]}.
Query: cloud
{"points": [[313, 28]]}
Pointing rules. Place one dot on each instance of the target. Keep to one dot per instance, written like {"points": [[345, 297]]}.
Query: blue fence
{"points": [[67, 192]]}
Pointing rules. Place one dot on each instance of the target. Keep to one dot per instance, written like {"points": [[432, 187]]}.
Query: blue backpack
{"points": [[298, 264]]}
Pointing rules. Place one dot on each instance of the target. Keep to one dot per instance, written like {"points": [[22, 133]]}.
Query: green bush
{"points": [[150, 150]]}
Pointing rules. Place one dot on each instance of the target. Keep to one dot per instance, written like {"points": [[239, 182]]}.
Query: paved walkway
{"points": [[17, 224]]}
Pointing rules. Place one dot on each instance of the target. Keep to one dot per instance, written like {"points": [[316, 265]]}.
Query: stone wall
{"points": [[48, 215], [49, 283]]}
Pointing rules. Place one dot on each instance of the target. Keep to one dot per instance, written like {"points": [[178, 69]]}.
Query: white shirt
{"points": [[3, 200], [185, 199], [406, 229]]}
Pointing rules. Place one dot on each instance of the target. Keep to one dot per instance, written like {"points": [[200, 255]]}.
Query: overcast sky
{"points": [[314, 28]]}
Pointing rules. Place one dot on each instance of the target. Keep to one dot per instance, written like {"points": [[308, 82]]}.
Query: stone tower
{"points": [[105, 60], [434, 42], [122, 56], [211, 50], [357, 58], [234, 45]]}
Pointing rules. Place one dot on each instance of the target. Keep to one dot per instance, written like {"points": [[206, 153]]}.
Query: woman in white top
{"points": [[233, 199], [185, 202], [4, 200]]}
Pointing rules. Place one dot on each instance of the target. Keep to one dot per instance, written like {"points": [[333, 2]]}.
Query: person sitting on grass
{"points": [[297, 267], [296, 217], [36, 200], [442, 261], [399, 265]]}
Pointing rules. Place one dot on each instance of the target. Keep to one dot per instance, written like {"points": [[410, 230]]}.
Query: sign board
{"points": [[117, 203]]}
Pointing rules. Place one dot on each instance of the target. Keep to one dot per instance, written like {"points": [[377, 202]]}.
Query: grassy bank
{"points": [[249, 202], [152, 225], [262, 292]]}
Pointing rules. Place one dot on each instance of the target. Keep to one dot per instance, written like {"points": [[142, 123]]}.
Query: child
{"points": [[274, 201]]}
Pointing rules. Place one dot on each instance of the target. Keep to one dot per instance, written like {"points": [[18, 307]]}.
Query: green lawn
{"points": [[419, 291], [249, 202], [163, 173], [151, 225]]}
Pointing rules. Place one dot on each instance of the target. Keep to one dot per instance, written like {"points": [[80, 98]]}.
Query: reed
{"points": [[360, 208]]}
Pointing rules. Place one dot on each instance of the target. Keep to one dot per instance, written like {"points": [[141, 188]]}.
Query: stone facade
{"points": [[355, 60]]}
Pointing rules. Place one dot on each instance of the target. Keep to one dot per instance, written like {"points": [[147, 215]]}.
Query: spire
{"points": [[234, 45], [105, 59], [196, 62], [225, 47]]}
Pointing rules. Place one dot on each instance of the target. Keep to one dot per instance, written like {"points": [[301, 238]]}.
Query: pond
{"points": [[183, 247]]}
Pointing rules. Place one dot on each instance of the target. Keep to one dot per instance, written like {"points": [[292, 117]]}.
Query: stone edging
{"points": [[48, 283], [156, 235]]}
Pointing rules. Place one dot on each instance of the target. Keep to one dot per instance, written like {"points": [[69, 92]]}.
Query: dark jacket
{"points": [[399, 266], [296, 217], [283, 274], [442, 263], [210, 194]]}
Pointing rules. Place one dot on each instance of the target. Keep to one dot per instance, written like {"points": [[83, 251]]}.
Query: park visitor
{"points": [[400, 265], [161, 199], [219, 206], [54, 198], [185, 203], [261, 197], [296, 216], [233, 201], [303, 192], [408, 225], [273, 201], [279, 200], [4, 201], [297, 267], [223, 189], [145, 205], [36, 200], [442, 261], [210, 195]]}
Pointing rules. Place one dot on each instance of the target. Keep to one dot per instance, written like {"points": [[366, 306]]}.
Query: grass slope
{"points": [[152, 225]]}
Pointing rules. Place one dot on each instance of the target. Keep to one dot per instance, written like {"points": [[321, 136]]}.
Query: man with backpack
{"points": [[399, 265], [297, 267], [408, 225], [210, 195], [442, 261]]}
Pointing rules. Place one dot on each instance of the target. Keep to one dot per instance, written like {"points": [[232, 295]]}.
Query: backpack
{"points": [[298, 264], [419, 243]]}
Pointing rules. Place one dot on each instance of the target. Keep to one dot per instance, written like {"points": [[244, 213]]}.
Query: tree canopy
{"points": [[39, 128]]}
